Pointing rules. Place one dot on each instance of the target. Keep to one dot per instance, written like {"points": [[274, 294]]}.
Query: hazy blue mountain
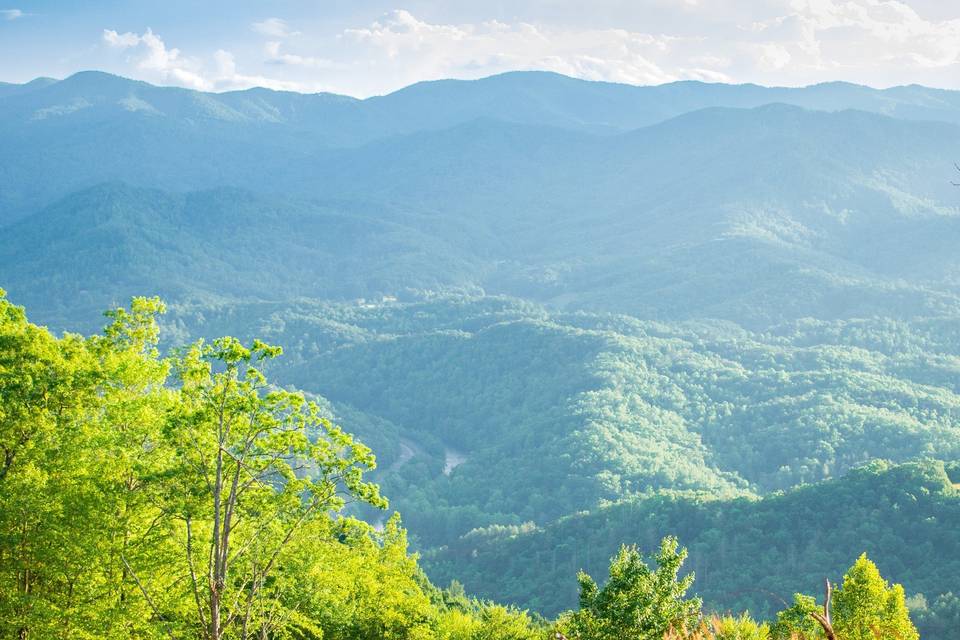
{"points": [[555, 100], [93, 127], [752, 215], [8, 89], [629, 222], [530, 97], [100, 246]]}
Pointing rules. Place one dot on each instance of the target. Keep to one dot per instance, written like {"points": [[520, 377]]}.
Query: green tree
{"points": [[796, 620], [739, 628], [636, 602], [132, 507], [48, 387], [866, 607], [76, 419], [502, 623], [124, 458], [255, 465], [340, 580]]}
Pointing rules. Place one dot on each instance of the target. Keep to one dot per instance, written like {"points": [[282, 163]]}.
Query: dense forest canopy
{"points": [[631, 406], [187, 496]]}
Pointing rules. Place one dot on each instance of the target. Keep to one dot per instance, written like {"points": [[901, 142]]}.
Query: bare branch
{"points": [[193, 575], [824, 618]]}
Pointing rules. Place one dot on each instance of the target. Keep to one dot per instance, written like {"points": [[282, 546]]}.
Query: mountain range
{"points": [[550, 306], [502, 185]]}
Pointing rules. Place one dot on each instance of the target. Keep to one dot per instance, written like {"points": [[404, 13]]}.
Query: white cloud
{"points": [[227, 77], [783, 42], [881, 42], [872, 36], [275, 28], [414, 49], [770, 56], [120, 40], [11, 14], [154, 60], [399, 30], [276, 56]]}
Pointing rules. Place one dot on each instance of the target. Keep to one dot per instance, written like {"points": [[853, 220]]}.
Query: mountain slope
{"points": [[445, 267], [755, 216], [762, 196], [747, 554], [105, 244], [527, 97]]}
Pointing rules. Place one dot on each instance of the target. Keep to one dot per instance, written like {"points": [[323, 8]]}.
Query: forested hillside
{"points": [[602, 406], [746, 553], [554, 413], [145, 497]]}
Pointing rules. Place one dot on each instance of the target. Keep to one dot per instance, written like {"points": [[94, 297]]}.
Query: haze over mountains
{"points": [[585, 195], [604, 292]]}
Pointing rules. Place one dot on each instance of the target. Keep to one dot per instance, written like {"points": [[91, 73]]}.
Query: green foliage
{"points": [[77, 420], [796, 621], [740, 628], [486, 622], [354, 585], [102, 398], [636, 601], [206, 505], [595, 407], [607, 414], [866, 607], [746, 553], [254, 466]]}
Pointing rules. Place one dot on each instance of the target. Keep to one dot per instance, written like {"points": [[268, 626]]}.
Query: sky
{"points": [[369, 47]]}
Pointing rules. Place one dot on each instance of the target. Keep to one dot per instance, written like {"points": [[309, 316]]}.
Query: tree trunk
{"points": [[824, 618]]}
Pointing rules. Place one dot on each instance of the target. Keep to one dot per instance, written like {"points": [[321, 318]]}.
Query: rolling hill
{"points": [[597, 407], [746, 554]]}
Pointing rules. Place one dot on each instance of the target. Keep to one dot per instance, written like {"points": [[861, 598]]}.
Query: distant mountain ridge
{"points": [[91, 118], [520, 96]]}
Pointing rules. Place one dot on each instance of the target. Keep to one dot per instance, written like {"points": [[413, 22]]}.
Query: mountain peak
{"points": [[93, 77]]}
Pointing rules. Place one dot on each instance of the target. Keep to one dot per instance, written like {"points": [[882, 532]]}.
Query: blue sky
{"points": [[371, 47]]}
